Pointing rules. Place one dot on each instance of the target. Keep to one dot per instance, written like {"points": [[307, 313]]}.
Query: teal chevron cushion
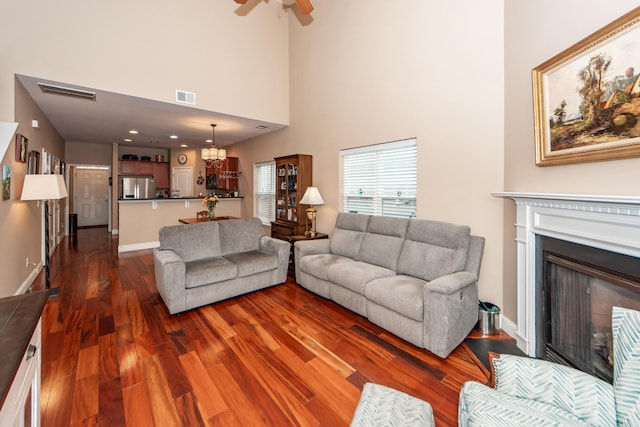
{"points": [[625, 325], [385, 407], [483, 406]]}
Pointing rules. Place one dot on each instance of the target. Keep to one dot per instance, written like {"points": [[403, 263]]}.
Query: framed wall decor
{"points": [[21, 148], [587, 98], [6, 182]]}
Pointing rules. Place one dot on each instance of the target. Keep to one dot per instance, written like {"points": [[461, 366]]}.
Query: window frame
{"points": [[257, 192]]}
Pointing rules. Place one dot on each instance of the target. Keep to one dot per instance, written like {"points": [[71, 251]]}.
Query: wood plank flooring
{"points": [[113, 356]]}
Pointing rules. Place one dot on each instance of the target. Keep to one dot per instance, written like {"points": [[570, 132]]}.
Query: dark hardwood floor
{"points": [[112, 354]]}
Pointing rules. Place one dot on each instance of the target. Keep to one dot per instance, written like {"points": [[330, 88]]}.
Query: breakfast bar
{"points": [[140, 220]]}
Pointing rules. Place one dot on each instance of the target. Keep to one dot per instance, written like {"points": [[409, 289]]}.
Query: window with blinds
{"points": [[264, 205], [380, 179]]}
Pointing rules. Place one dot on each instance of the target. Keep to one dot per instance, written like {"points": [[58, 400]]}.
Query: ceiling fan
{"points": [[305, 6]]}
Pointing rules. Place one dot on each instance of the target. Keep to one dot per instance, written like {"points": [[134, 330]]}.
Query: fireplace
{"points": [[607, 223], [577, 289]]}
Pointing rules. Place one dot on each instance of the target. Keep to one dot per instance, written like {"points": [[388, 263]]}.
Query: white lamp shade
{"points": [[222, 153], [43, 187], [312, 197]]}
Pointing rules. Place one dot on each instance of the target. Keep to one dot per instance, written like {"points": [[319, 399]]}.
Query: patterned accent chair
{"points": [[385, 407], [534, 392]]}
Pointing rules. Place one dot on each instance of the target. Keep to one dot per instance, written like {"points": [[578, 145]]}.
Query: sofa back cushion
{"points": [[240, 235], [192, 241], [433, 249], [383, 241], [348, 234]]}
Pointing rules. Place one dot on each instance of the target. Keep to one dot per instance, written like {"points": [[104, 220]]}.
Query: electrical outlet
{"points": [[27, 263]]}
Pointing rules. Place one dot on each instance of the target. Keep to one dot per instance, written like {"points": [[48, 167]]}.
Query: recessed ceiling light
{"points": [[261, 127], [127, 140], [174, 137], [133, 132], [208, 141], [183, 145]]}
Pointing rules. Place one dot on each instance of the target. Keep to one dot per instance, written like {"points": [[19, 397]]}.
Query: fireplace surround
{"points": [[610, 223]]}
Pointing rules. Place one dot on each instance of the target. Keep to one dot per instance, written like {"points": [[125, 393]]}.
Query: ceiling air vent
{"points": [[67, 91], [186, 97]]}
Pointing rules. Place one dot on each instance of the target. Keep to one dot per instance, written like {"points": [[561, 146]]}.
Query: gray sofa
{"points": [[415, 278], [198, 264]]}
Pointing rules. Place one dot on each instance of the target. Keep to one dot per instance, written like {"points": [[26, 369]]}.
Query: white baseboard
{"points": [[24, 287], [138, 246]]}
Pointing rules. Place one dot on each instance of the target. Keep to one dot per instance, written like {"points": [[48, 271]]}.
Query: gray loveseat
{"points": [[415, 278], [198, 264]]}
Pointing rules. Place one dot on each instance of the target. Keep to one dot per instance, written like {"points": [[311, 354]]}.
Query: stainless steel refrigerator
{"points": [[137, 187]]}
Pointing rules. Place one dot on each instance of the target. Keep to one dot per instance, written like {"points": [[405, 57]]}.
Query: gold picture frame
{"points": [[587, 98]]}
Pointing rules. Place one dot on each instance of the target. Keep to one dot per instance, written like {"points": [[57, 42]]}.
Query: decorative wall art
{"points": [[21, 148], [587, 98], [6, 182]]}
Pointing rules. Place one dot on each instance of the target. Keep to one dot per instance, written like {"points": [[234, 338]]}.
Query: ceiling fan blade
{"points": [[240, 1], [305, 6]]}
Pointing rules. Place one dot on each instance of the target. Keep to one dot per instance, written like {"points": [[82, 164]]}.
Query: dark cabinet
{"points": [[225, 177], [293, 176], [159, 170]]}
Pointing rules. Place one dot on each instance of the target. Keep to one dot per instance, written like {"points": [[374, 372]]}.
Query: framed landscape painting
{"points": [[587, 98]]}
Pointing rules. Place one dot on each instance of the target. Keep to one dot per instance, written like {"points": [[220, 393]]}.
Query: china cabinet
{"points": [[293, 176]]}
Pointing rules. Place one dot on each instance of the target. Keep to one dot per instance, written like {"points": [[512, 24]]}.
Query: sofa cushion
{"points": [[318, 265], [355, 275], [192, 241], [253, 262], [402, 294], [240, 235], [383, 241], [348, 234], [209, 270], [433, 249]]}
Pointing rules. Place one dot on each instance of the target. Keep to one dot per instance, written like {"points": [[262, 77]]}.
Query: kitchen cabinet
{"points": [[224, 177], [159, 170], [162, 175], [293, 176]]}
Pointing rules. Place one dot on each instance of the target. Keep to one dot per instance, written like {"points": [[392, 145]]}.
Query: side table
{"points": [[297, 238]]}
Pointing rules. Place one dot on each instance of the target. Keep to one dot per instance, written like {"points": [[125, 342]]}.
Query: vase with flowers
{"points": [[210, 202]]}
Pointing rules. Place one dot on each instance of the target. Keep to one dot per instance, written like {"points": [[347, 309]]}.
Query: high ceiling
{"points": [[111, 116]]}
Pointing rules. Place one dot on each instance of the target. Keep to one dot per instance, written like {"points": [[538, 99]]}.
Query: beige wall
{"points": [[535, 32], [21, 222], [369, 72]]}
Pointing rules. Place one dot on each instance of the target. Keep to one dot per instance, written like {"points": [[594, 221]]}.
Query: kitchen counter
{"points": [[19, 316], [139, 221]]}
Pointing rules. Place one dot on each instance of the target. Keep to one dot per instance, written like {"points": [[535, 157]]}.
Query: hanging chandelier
{"points": [[212, 156]]}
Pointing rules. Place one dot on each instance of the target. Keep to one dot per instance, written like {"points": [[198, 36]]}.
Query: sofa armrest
{"points": [[282, 250], [451, 283], [275, 246], [170, 271], [574, 391], [450, 311], [303, 248]]}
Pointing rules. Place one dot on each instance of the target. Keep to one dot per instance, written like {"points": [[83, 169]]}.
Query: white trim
{"points": [[138, 246]]}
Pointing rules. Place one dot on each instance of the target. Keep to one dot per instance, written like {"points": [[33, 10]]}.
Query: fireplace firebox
{"points": [[578, 286]]}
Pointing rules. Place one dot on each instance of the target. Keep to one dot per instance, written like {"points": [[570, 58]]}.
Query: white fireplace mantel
{"points": [[611, 223]]}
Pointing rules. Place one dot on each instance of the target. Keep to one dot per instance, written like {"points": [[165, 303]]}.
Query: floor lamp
{"points": [[44, 188], [311, 197]]}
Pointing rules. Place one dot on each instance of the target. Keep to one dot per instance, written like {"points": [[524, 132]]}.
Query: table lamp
{"points": [[311, 197], [45, 188]]}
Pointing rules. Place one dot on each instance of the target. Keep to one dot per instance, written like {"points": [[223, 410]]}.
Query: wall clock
{"points": [[182, 159]]}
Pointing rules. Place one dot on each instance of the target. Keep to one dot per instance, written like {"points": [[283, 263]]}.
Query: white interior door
{"points": [[182, 180], [91, 196]]}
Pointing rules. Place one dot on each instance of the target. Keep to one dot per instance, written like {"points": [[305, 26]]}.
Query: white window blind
{"points": [[265, 191], [380, 179]]}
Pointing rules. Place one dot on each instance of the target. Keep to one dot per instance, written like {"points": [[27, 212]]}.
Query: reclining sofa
{"points": [[198, 264], [416, 278]]}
